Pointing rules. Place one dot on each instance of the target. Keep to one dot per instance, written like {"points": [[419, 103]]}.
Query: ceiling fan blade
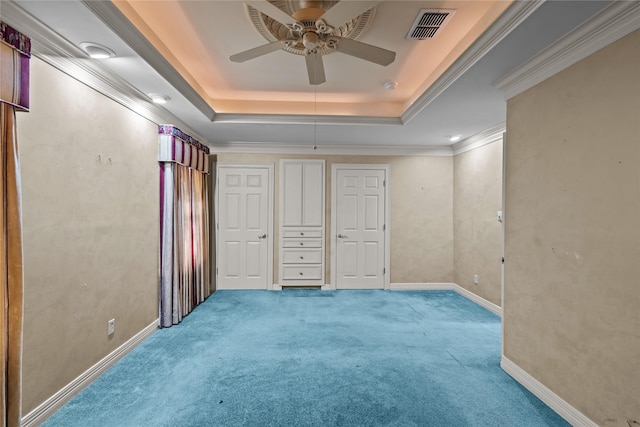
{"points": [[365, 51], [315, 68], [344, 11], [257, 51], [271, 11]]}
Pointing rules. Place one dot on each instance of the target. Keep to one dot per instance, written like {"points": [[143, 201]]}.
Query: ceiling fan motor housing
{"points": [[308, 16]]}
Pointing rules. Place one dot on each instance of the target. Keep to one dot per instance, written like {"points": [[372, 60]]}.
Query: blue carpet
{"points": [[315, 358]]}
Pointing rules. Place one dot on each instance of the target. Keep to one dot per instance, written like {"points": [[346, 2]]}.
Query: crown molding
{"points": [[613, 23], [507, 22], [480, 139], [51, 48], [346, 149], [306, 119]]}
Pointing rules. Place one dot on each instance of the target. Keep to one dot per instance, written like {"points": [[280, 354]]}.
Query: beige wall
{"points": [[477, 234], [572, 272], [421, 212], [90, 213]]}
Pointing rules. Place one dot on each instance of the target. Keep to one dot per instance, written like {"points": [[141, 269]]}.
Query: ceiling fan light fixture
{"points": [[97, 51], [310, 40]]}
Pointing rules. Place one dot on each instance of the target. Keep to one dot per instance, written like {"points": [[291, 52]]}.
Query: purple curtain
{"points": [[14, 96], [185, 276]]}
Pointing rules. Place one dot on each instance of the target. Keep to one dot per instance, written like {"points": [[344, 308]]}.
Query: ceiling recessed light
{"points": [[97, 51], [159, 98], [455, 138], [390, 85]]}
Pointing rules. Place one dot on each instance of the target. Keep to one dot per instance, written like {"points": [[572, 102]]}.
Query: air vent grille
{"points": [[428, 23]]}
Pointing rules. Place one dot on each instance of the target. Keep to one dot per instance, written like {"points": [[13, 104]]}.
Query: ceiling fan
{"points": [[313, 32]]}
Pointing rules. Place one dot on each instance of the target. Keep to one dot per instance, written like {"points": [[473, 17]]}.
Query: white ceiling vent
{"points": [[428, 23]]}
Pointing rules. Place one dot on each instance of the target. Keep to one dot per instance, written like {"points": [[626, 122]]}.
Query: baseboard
{"points": [[495, 309], [552, 400], [55, 402], [422, 286], [325, 287]]}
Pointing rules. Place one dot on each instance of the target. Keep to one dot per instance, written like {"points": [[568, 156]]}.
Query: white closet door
{"points": [[313, 194], [244, 243], [291, 176], [360, 222]]}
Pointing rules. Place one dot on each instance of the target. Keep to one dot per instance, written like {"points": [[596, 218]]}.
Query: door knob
{"points": [[342, 236], [262, 236]]}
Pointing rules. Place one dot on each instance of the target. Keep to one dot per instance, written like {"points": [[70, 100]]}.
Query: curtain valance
{"points": [[15, 51], [176, 146]]}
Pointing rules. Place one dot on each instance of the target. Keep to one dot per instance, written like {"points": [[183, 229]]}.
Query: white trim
{"points": [[270, 212], [334, 149], [62, 396], [555, 402], [422, 287], [325, 287], [334, 213], [613, 23], [480, 139], [305, 119], [495, 309], [502, 230], [507, 22]]}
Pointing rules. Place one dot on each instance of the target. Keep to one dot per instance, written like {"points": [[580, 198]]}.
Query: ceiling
{"points": [[181, 49]]}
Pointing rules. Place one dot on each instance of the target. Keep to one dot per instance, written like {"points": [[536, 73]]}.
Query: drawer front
{"points": [[293, 256], [302, 272], [300, 243], [288, 234]]}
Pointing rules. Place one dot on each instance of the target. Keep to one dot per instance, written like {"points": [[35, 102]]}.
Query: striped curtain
{"points": [[185, 276], [14, 96]]}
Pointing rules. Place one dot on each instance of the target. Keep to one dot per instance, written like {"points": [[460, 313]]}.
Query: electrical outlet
{"points": [[475, 279], [111, 327]]}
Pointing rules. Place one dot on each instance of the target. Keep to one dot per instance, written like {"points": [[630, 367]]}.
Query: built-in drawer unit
{"points": [[301, 234], [300, 243], [302, 256], [302, 272], [302, 215]]}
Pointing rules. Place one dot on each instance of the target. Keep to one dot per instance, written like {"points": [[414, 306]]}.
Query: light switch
{"points": [[499, 216]]}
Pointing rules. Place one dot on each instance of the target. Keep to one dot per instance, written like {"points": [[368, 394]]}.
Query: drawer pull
{"points": [[301, 273], [301, 244], [301, 233], [301, 257]]}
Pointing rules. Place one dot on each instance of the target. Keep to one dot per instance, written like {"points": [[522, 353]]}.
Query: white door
{"points": [[244, 209], [359, 226]]}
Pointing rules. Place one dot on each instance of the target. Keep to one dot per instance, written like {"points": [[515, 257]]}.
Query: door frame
{"points": [[270, 168], [502, 237], [334, 215]]}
